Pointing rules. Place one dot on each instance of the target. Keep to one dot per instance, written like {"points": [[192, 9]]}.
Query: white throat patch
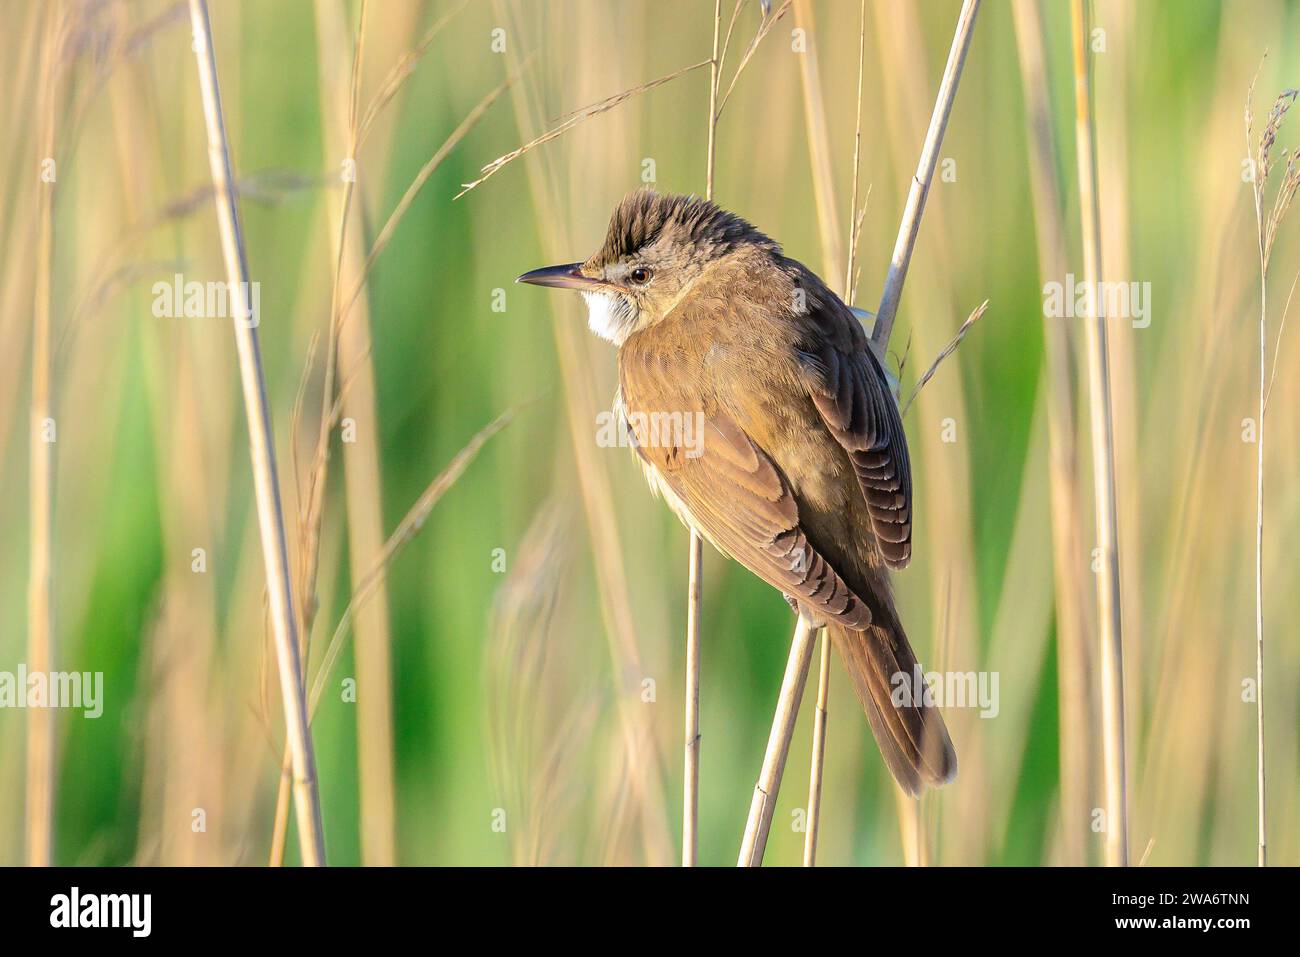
{"points": [[607, 316]]}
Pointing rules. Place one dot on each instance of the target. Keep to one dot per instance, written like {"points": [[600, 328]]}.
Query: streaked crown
{"points": [[645, 217]]}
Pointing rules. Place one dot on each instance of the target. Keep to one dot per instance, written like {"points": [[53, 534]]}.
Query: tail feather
{"points": [[912, 737]]}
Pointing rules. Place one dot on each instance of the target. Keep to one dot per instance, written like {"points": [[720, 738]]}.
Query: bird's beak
{"points": [[567, 276]]}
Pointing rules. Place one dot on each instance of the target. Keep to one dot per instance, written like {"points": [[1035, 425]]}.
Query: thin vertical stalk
{"points": [[765, 792], [1103, 461], [40, 625], [691, 779], [695, 557], [311, 514], [819, 151], [778, 746], [1262, 856], [1257, 190], [857, 161], [1076, 771], [715, 71], [270, 515], [817, 771], [920, 188], [361, 471]]}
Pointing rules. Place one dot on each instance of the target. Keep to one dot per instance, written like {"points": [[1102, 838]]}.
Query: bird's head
{"points": [[656, 248]]}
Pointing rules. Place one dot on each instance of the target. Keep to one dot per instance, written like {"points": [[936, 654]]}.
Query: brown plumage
{"points": [[802, 474]]}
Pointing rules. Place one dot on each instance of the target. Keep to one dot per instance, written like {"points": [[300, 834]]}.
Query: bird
{"points": [[791, 458]]}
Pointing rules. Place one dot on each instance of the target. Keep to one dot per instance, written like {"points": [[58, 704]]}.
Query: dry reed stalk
{"points": [[311, 512], [818, 763], [413, 190], [1257, 189], [1072, 670], [768, 21], [275, 554], [361, 466], [695, 547], [17, 225], [819, 150], [572, 120], [40, 613], [351, 341], [402, 71], [312, 507], [854, 216], [1103, 456], [695, 554], [16, 326], [920, 188], [22, 75], [691, 760], [365, 586], [910, 827], [695, 560], [643, 771], [598, 493], [715, 71], [768, 785], [946, 496], [756, 829], [332, 403], [1113, 86], [944, 353], [1266, 225]]}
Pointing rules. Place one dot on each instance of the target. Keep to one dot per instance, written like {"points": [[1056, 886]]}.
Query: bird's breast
{"points": [[658, 482]]}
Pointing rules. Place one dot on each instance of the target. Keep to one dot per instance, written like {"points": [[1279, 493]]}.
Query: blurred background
{"points": [[511, 692]]}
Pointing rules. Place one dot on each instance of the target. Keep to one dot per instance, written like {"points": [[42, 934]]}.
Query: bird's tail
{"points": [[885, 675]]}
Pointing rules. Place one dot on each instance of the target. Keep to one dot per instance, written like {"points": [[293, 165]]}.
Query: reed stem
{"points": [[691, 780], [362, 478], [920, 188], [695, 556], [778, 746], [1258, 182], [1103, 461], [769, 783], [40, 613], [270, 515], [817, 772], [1260, 789], [1069, 570]]}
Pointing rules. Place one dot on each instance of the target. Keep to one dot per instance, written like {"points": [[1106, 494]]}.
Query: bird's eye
{"points": [[640, 275]]}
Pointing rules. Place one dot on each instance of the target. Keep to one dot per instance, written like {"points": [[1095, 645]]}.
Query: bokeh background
{"points": [[519, 673]]}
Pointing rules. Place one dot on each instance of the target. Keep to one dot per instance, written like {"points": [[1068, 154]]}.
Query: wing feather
{"points": [[852, 395], [737, 498]]}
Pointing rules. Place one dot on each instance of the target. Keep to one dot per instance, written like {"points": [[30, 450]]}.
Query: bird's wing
{"points": [[739, 500], [852, 395]]}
